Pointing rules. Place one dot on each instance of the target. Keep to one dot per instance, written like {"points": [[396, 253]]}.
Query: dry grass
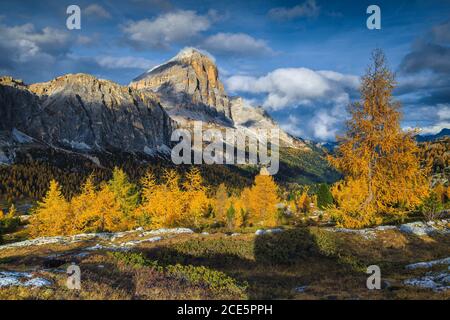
{"points": [[330, 265]]}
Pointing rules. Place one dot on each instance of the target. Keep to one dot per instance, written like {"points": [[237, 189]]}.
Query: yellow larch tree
{"points": [[52, 216], [163, 205], [195, 197], [220, 202], [379, 160], [263, 200], [83, 207]]}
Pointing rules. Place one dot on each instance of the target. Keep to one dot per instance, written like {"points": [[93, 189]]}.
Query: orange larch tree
{"points": [[379, 160]]}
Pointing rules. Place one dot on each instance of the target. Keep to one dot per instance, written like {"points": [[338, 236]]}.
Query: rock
{"points": [[166, 231], [81, 112], [425, 228], [300, 289], [189, 88], [188, 80], [136, 242], [436, 282], [260, 232], [428, 264]]}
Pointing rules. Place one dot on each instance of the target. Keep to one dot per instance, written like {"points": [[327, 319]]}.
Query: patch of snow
{"points": [[4, 159], [37, 282], [21, 137], [149, 151], [428, 264], [25, 279], [78, 145]]}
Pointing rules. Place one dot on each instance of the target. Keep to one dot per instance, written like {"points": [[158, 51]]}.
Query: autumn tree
{"points": [[195, 197], [379, 160], [83, 207], [52, 215], [263, 200], [162, 204], [220, 202]]}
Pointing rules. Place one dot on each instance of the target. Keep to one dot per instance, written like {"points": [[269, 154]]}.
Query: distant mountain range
{"points": [[443, 133], [81, 115]]}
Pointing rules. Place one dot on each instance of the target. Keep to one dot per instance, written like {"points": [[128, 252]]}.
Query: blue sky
{"points": [[299, 59]]}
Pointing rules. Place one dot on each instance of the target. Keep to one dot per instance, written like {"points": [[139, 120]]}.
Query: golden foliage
{"points": [[117, 205], [262, 200], [52, 216], [382, 171]]}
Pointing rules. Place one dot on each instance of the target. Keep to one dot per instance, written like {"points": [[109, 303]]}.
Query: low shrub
{"points": [[196, 275]]}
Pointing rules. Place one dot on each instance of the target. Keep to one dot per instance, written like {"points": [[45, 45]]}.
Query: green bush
{"points": [[324, 196], [431, 207], [286, 247], [9, 224], [197, 275]]}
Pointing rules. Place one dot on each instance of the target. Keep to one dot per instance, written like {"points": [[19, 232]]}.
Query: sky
{"points": [[300, 60]]}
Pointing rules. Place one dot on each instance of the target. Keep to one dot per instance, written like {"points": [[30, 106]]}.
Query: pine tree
{"points": [[125, 193], [324, 196], [382, 172]]}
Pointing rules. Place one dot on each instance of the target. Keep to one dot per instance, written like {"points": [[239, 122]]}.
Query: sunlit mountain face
{"points": [[299, 60]]}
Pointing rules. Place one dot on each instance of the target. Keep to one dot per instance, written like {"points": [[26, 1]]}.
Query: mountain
{"points": [[80, 116], [443, 133], [81, 112], [190, 89]]}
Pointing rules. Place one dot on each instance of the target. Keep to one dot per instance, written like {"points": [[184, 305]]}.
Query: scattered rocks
{"points": [[136, 242], [434, 281], [260, 232], [166, 231], [428, 264], [425, 228]]}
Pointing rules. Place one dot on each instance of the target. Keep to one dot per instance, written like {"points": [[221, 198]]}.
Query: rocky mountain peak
{"points": [[190, 80]]}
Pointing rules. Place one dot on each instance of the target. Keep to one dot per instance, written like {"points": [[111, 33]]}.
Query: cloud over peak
{"points": [[236, 43], [308, 8], [171, 27]]}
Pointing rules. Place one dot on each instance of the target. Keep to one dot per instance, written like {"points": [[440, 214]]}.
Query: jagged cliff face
{"points": [[189, 88], [189, 81], [85, 113], [251, 118]]}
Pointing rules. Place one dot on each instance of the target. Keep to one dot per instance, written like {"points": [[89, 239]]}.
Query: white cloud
{"points": [[307, 9], [236, 43], [293, 126], [161, 32], [23, 43], [443, 114], [97, 11], [123, 62], [290, 87]]}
